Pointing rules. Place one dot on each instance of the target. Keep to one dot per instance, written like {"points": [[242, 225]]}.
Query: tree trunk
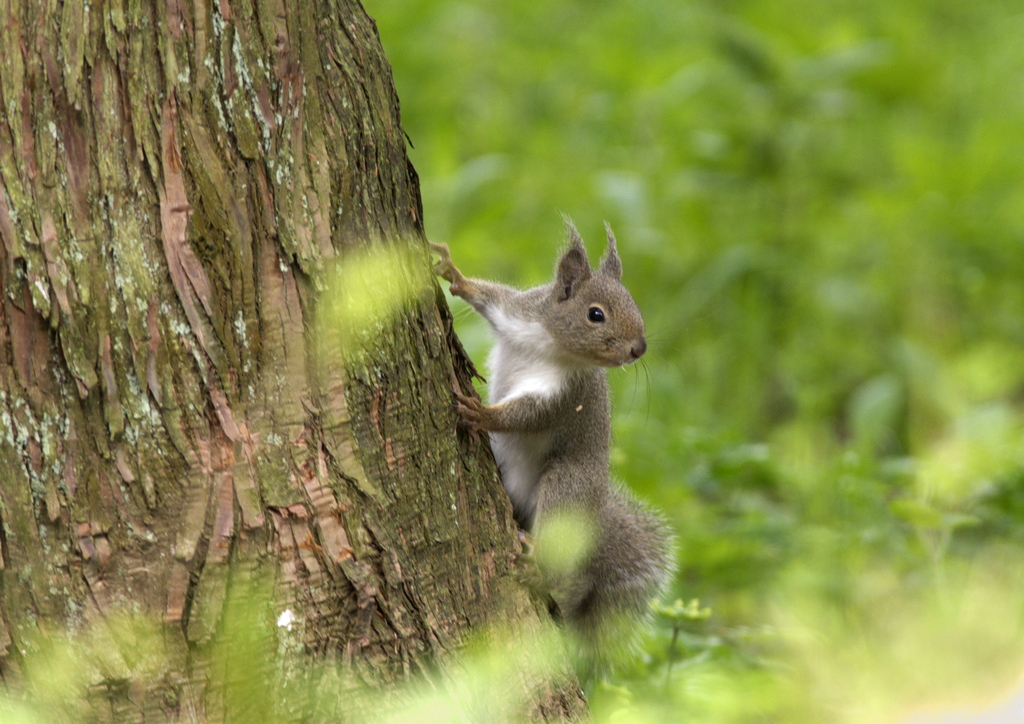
{"points": [[177, 178]]}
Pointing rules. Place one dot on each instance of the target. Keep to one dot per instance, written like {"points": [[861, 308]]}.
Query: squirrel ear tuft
{"points": [[611, 265], [573, 266]]}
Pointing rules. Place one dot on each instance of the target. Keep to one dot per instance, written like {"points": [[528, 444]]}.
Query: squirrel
{"points": [[549, 424]]}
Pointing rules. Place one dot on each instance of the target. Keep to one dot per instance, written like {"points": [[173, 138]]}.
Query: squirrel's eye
{"points": [[595, 314]]}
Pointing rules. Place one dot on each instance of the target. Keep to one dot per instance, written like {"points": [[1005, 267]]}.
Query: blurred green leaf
{"points": [[874, 412], [678, 611], [918, 513]]}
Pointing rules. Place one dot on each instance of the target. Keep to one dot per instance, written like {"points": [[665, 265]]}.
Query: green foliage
{"points": [[820, 213], [563, 543], [365, 293], [260, 671], [64, 674]]}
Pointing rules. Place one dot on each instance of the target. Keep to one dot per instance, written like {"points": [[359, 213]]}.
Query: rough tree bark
{"points": [[176, 177]]}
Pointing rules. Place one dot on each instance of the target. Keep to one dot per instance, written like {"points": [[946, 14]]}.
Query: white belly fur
{"points": [[520, 457], [522, 362]]}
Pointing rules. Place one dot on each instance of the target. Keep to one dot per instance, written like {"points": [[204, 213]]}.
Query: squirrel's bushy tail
{"points": [[631, 564]]}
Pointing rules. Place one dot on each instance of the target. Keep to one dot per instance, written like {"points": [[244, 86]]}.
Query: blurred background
{"points": [[820, 211]]}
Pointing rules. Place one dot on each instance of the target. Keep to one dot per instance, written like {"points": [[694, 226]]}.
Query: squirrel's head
{"points": [[592, 316]]}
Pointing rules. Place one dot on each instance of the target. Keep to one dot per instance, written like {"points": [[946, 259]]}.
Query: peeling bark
{"points": [[176, 179]]}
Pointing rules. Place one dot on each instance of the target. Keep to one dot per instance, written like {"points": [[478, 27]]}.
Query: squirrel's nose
{"points": [[638, 349]]}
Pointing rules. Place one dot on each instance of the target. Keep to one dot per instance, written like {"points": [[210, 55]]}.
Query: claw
{"points": [[465, 399], [470, 409], [527, 543], [446, 269], [440, 249]]}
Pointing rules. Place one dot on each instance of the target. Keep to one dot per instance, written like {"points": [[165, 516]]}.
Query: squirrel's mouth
{"points": [[620, 355], [631, 353], [621, 358]]}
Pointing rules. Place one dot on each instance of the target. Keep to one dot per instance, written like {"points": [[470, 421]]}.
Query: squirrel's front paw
{"points": [[442, 251], [446, 269], [473, 412]]}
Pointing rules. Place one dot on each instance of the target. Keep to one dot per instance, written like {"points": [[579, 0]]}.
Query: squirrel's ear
{"points": [[573, 267], [611, 265]]}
